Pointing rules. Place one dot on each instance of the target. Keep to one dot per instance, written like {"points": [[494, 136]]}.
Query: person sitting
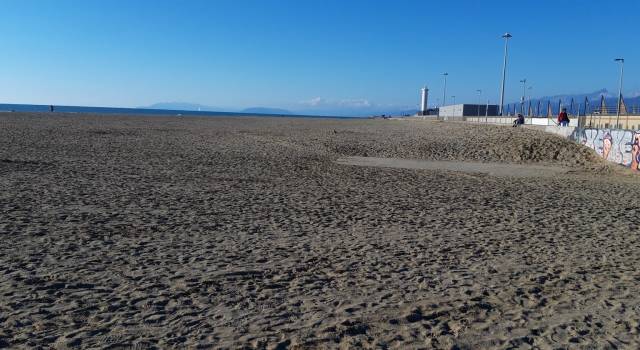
{"points": [[519, 121], [563, 118]]}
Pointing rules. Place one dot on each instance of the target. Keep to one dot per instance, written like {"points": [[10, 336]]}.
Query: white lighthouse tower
{"points": [[424, 100]]}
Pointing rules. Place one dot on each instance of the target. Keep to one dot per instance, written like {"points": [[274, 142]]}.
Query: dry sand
{"points": [[159, 232]]}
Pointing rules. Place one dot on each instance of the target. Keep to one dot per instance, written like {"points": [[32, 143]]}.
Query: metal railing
{"points": [[608, 111]]}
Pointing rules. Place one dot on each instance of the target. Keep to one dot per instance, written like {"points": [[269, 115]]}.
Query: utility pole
{"points": [[486, 113], [524, 87], [444, 93], [621, 60]]}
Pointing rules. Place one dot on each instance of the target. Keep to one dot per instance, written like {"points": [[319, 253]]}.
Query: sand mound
{"points": [[458, 141]]}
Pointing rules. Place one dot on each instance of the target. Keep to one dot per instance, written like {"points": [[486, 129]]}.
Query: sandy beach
{"points": [[167, 232]]}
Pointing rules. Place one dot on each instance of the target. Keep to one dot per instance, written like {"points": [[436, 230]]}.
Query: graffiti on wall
{"points": [[615, 145]]}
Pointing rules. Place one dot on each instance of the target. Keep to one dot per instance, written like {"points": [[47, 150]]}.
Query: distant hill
{"points": [[611, 101], [183, 106], [186, 106], [328, 110], [266, 110]]}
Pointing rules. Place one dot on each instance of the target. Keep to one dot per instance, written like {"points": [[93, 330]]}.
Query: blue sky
{"points": [[308, 54]]}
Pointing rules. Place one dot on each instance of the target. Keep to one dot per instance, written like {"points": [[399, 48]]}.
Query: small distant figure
{"points": [[519, 121], [563, 118], [51, 108]]}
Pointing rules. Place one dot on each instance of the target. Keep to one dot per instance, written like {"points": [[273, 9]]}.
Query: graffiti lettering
{"points": [[619, 146]]}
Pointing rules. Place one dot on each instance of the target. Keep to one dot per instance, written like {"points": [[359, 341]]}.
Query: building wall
{"points": [[527, 121], [450, 111], [617, 145], [467, 110], [604, 122]]}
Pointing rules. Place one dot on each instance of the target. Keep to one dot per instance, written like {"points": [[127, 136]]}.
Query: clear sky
{"points": [[308, 53]]}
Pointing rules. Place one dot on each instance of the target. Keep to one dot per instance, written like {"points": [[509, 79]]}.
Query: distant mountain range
{"points": [[266, 110], [359, 111], [363, 108], [182, 106], [593, 98], [611, 100], [186, 106]]}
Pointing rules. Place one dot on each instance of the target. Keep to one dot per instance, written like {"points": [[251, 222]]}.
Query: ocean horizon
{"points": [[11, 107]]}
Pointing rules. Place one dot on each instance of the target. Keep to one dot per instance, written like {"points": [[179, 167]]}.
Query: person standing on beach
{"points": [[51, 108], [563, 118]]}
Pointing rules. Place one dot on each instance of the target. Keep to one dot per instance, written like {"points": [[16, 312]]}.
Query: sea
{"points": [[144, 111]]}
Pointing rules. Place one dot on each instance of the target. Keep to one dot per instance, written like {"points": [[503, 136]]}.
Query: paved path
{"points": [[495, 169]]}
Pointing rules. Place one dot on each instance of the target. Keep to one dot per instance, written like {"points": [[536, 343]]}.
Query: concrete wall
{"points": [[466, 110], [565, 132], [451, 111], [631, 122], [527, 121], [617, 145]]}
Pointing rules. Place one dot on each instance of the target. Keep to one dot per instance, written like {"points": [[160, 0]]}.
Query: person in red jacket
{"points": [[563, 118]]}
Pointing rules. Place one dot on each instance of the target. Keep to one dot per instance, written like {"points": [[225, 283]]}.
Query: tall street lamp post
{"points": [[621, 60], [529, 108], [524, 88], [506, 37], [528, 103], [479, 101], [444, 93]]}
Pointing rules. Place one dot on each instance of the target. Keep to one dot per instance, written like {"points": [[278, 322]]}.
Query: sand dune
{"points": [[122, 232]]}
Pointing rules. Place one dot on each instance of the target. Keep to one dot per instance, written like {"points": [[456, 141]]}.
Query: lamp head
{"points": [[507, 35]]}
